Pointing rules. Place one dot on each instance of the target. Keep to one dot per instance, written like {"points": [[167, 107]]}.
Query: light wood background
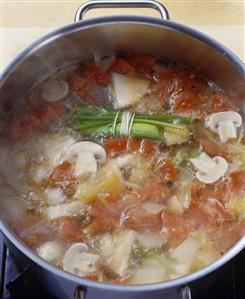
{"points": [[24, 21]]}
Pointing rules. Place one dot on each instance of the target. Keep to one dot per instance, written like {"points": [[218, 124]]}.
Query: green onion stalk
{"points": [[104, 121]]}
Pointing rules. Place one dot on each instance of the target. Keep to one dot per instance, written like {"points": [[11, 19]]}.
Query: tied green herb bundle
{"points": [[104, 121]]}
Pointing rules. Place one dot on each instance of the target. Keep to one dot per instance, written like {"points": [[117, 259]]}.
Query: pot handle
{"points": [[80, 292], [121, 4], [185, 292]]}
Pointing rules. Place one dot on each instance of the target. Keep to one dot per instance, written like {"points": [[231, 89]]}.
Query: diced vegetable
{"points": [[52, 252], [70, 231], [150, 239], [62, 175], [153, 207], [121, 244], [174, 136], [167, 172], [128, 90], [185, 253], [150, 272], [108, 180], [237, 206], [65, 209], [79, 261], [174, 206], [55, 196]]}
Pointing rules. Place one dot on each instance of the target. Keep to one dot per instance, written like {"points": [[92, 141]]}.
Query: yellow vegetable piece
{"points": [[176, 136], [237, 206], [108, 180]]}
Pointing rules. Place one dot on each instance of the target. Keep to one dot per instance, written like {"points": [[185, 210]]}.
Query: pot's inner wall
{"points": [[110, 38]]}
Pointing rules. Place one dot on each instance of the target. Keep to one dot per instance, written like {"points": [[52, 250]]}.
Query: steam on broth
{"points": [[126, 170]]}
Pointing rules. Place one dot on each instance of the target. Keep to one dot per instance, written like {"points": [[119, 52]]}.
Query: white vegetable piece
{"points": [[124, 160], [78, 261], [53, 146], [176, 136], [128, 90], [210, 170], [153, 207], [51, 251], [55, 90], [119, 247], [65, 209], [55, 196], [107, 62], [225, 124], [185, 253], [84, 156], [151, 271], [150, 239], [174, 205]]}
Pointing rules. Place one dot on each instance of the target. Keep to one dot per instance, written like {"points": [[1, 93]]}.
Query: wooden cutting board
{"points": [[24, 21]]}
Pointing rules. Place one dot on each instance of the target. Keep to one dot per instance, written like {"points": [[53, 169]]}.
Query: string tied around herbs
{"points": [[127, 120]]}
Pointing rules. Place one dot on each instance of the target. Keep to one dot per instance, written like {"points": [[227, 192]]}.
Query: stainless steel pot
{"points": [[112, 35]]}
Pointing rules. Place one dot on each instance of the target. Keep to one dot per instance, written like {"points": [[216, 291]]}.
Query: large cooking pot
{"points": [[109, 35]]}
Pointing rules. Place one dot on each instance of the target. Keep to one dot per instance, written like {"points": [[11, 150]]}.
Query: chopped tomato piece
{"points": [[219, 102], [25, 222], [148, 148], [175, 227], [133, 144], [122, 66], [93, 73], [213, 148], [104, 220], [76, 82], [167, 172], [62, 175], [238, 180], [187, 101], [69, 230], [115, 145], [142, 63], [87, 77], [48, 112], [207, 205], [137, 218], [225, 235], [153, 189], [130, 144]]}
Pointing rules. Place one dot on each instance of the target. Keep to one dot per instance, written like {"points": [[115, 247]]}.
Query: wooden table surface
{"points": [[24, 21]]}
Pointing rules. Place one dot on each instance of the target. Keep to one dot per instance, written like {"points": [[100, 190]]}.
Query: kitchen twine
{"points": [[127, 121]]}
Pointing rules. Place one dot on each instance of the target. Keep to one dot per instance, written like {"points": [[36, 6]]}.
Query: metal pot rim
{"points": [[100, 21]]}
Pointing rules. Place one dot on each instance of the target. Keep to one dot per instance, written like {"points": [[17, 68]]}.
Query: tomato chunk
{"points": [[130, 144], [62, 175], [176, 227], [115, 145], [167, 172], [238, 180], [69, 230], [122, 66], [142, 63], [87, 77]]}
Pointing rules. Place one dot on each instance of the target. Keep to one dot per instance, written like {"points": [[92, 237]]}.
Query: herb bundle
{"points": [[105, 121]]}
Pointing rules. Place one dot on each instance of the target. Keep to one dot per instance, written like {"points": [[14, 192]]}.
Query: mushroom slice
{"points": [[51, 251], [54, 196], [84, 156], [78, 261], [55, 90], [210, 170], [65, 209], [128, 90], [225, 124]]}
